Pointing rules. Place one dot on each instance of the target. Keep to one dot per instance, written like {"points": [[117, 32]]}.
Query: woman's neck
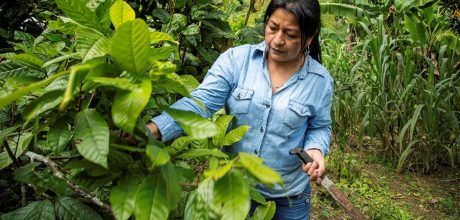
{"points": [[285, 67]]}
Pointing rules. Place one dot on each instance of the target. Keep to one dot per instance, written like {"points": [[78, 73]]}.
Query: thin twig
{"points": [[63, 157], [23, 195], [55, 170], [10, 153]]}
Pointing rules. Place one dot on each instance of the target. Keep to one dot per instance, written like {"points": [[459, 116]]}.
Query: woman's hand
{"points": [[154, 130], [317, 168]]}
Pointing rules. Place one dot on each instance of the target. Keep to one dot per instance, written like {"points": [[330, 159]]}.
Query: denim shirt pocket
{"points": [[242, 98], [296, 114]]}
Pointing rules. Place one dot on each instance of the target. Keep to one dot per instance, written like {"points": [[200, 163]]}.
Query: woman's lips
{"points": [[277, 51]]}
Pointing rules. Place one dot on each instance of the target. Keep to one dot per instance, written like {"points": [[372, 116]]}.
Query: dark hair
{"points": [[308, 16]]}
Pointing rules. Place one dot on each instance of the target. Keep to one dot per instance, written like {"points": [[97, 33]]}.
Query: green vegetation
{"points": [[78, 75]]}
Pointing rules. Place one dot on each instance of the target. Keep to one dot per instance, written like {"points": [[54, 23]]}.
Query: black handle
{"points": [[301, 154]]}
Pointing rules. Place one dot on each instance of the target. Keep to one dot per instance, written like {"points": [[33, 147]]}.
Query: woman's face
{"points": [[283, 37]]}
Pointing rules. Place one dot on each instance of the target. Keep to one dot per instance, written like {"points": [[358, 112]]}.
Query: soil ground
{"points": [[382, 193]]}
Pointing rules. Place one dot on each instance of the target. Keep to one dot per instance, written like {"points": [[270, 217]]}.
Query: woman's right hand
{"points": [[154, 130]]}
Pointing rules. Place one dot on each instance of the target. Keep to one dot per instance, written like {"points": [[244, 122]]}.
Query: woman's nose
{"points": [[278, 39]]}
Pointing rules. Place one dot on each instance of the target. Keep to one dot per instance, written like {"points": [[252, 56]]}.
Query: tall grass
{"points": [[400, 89]]}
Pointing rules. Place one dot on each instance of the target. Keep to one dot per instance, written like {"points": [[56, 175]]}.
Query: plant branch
{"points": [[10, 153], [55, 170]]}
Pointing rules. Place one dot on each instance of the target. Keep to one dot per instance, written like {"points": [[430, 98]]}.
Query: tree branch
{"points": [[55, 170], [10, 153]]}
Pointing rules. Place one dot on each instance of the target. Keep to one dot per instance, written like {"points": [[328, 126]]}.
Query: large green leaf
{"points": [[222, 124], [154, 198], [234, 135], [122, 197], [30, 174], [77, 10], [128, 105], [38, 210], [255, 166], [194, 153], [158, 156], [18, 69], [264, 212], [92, 136], [173, 188], [90, 44], [172, 82], [193, 124], [131, 46], [42, 104], [121, 12], [231, 196], [69, 208], [24, 140], [416, 28], [59, 136]]}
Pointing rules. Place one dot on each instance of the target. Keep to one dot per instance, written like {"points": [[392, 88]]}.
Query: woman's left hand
{"points": [[317, 168]]}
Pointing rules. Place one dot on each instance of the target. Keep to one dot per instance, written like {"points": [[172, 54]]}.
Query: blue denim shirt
{"points": [[297, 114]]}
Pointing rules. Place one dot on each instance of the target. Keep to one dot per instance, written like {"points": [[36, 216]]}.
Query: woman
{"points": [[282, 92]]}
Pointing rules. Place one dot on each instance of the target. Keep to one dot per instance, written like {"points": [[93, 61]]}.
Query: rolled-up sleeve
{"points": [[212, 92], [318, 133]]}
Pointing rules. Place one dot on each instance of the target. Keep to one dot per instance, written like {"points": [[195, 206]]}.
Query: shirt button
{"points": [[256, 151], [268, 105], [261, 130]]}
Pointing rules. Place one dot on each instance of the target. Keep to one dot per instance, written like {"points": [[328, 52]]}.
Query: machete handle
{"points": [[301, 154]]}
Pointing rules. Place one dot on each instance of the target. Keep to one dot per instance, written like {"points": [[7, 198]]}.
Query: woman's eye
{"points": [[273, 28]]}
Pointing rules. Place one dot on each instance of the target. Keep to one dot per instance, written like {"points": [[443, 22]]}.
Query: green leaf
{"points": [[172, 82], [30, 174], [257, 196], [234, 135], [219, 173], [16, 69], [192, 29], [128, 105], [231, 195], [194, 125], [158, 156], [131, 46], [345, 10], [5, 100], [173, 188], [91, 44], [77, 10], [119, 83], [200, 203], [42, 104], [121, 12], [24, 140], [59, 59], [263, 173], [157, 36], [28, 58], [222, 123], [59, 136], [122, 197], [69, 208], [92, 136], [39, 210], [77, 75], [164, 53], [264, 212], [194, 153], [416, 28], [154, 199]]}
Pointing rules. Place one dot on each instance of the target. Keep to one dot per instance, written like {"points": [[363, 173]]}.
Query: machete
{"points": [[330, 187]]}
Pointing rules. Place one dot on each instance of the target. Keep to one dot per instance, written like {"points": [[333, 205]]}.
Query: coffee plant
{"points": [[74, 104]]}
